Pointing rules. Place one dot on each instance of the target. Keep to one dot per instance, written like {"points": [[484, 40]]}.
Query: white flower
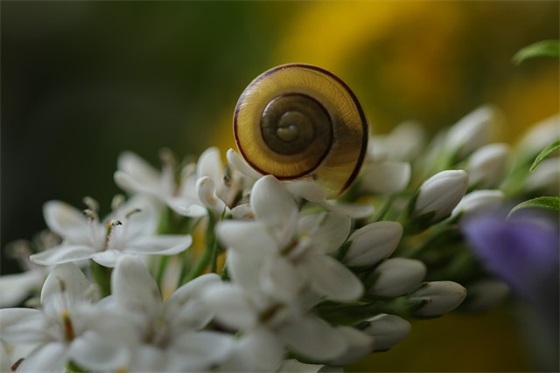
{"points": [[539, 136], [67, 327], [135, 175], [404, 143], [441, 193], [300, 246], [170, 333], [441, 297], [387, 330], [130, 230], [545, 178], [16, 287], [359, 345], [479, 202], [471, 132], [397, 276], [372, 243], [385, 177], [304, 188], [487, 165], [269, 325]]}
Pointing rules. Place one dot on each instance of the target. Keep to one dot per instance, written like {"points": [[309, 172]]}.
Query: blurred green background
{"points": [[84, 81]]}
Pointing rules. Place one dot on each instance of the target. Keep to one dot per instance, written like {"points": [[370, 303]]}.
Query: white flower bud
{"points": [[397, 276], [385, 177], [487, 165], [359, 345], [479, 202], [540, 135], [441, 193], [441, 297], [372, 243], [486, 294], [387, 330], [471, 131], [545, 178]]}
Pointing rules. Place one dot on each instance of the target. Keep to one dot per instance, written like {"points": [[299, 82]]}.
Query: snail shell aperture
{"points": [[299, 120]]}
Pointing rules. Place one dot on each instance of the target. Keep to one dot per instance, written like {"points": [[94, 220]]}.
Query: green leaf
{"points": [[551, 148], [545, 48], [547, 203]]}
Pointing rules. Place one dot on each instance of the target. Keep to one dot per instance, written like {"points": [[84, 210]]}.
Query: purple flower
{"points": [[522, 251]]}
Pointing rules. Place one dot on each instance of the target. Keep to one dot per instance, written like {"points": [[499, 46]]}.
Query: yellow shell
{"points": [[298, 120]]}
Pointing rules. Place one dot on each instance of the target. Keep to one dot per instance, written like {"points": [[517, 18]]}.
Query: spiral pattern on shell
{"points": [[299, 120]]}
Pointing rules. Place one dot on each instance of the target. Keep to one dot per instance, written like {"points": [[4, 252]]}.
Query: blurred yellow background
{"points": [[83, 81]]}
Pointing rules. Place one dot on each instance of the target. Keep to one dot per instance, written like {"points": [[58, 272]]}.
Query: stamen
{"points": [[91, 203], [132, 212], [17, 364], [68, 327], [109, 226], [117, 202]]}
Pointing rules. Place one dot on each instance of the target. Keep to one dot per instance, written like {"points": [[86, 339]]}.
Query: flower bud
{"points": [[372, 243], [385, 177], [545, 178], [487, 165], [397, 276], [440, 297], [539, 136], [359, 345], [471, 131], [441, 193], [486, 294], [479, 202], [387, 330]]}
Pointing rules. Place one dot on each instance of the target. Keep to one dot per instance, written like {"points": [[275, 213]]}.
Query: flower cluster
{"points": [[276, 277]]}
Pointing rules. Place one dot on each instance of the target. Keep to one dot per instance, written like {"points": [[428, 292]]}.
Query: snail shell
{"points": [[298, 120]]}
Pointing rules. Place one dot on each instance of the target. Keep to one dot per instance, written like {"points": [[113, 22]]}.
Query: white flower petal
{"points": [[240, 165], [397, 276], [313, 338], [331, 278], [206, 190], [261, 350], [91, 351], [67, 222], [249, 238], [160, 245], [280, 279], [66, 286], [231, 306], [246, 269], [387, 330], [275, 207], [62, 254], [385, 177], [135, 289], [16, 287], [19, 325], [186, 207], [51, 357], [359, 345], [328, 231], [184, 308], [148, 358], [197, 351], [138, 170], [307, 189], [210, 164]]}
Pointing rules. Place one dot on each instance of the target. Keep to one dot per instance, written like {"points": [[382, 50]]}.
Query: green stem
{"points": [[209, 253], [102, 277]]}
